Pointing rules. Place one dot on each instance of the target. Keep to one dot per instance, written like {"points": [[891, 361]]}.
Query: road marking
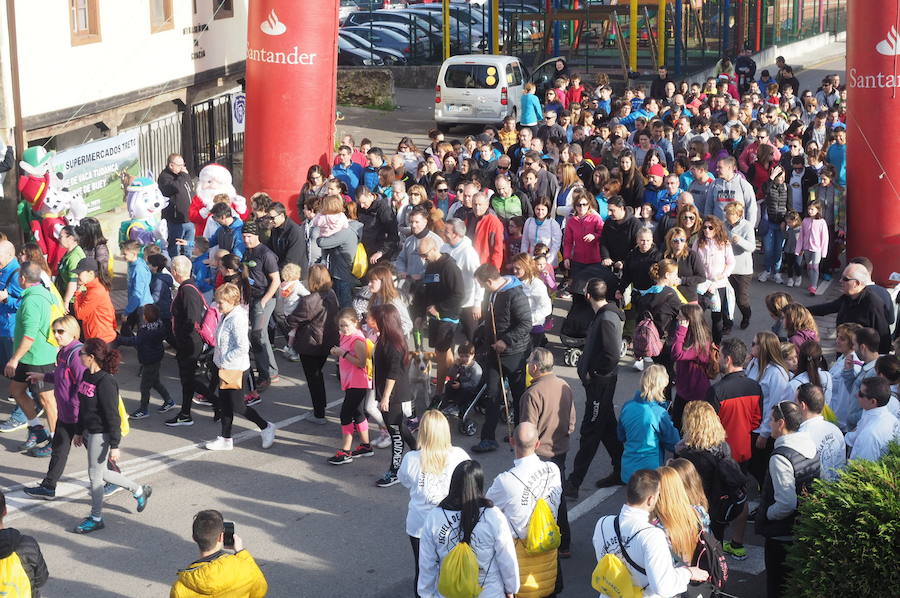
{"points": [[590, 502], [19, 504]]}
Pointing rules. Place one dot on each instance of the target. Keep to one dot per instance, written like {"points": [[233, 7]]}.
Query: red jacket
{"points": [[574, 247], [738, 399], [489, 240], [94, 307]]}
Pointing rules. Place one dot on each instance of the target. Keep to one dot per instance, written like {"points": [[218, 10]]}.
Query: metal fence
{"points": [[212, 133], [158, 139]]}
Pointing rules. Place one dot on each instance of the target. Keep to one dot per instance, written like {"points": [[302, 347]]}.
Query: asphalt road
{"points": [[315, 529]]}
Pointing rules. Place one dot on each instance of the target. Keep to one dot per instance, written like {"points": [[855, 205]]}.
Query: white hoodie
{"points": [[774, 384], [516, 491], [876, 428], [498, 568], [426, 490], [468, 261]]}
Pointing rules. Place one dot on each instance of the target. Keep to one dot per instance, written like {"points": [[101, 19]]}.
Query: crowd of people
{"points": [[643, 208]]}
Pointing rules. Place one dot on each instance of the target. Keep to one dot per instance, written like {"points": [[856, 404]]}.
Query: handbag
{"points": [[231, 379]]}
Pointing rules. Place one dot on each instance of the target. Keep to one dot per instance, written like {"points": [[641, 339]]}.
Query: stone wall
{"points": [[364, 86]]}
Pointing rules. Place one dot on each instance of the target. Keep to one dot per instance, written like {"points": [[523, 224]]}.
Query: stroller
{"points": [[578, 320]]}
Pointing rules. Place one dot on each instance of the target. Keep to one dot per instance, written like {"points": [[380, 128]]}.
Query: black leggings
{"points": [[397, 428], [720, 319], [741, 285], [415, 548], [315, 381], [352, 407], [231, 401], [468, 323]]}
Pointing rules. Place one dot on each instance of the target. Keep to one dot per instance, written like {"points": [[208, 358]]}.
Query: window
{"points": [[161, 15], [223, 9], [470, 76], [85, 20]]}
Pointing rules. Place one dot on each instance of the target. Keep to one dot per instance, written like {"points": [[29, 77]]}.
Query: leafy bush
{"points": [[847, 538]]}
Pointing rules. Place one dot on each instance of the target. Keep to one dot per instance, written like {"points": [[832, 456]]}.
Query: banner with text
{"points": [[96, 169]]}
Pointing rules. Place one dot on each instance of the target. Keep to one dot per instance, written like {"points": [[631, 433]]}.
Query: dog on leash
{"points": [[420, 376]]}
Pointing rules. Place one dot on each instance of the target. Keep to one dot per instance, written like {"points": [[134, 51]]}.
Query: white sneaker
{"points": [[798, 281], [291, 355], [778, 278], [383, 441], [319, 420], [220, 444], [764, 276], [639, 364], [789, 281], [268, 436]]}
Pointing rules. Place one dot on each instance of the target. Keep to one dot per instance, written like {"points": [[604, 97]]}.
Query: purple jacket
{"points": [[801, 336], [66, 378], [691, 381]]}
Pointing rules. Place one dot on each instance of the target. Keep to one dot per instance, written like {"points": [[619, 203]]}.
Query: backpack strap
{"points": [[624, 545]]}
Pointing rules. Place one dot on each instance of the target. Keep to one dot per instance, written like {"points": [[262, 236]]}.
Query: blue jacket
{"points": [[370, 178], [664, 199], [161, 285], [646, 430], [531, 110], [149, 342], [202, 273], [233, 241], [628, 121], [352, 176], [138, 285], [9, 281]]}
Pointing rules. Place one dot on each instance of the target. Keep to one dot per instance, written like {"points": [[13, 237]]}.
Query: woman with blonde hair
{"points": [[524, 268], [715, 253], [703, 443], [769, 368], [426, 473], [645, 427], [569, 181], [675, 514]]}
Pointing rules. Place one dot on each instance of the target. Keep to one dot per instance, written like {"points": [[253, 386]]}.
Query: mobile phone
{"points": [[228, 536]]}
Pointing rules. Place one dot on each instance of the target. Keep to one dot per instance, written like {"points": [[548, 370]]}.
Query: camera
{"points": [[228, 535]]}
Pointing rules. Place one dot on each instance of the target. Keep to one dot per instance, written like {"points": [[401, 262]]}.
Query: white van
{"points": [[480, 89]]}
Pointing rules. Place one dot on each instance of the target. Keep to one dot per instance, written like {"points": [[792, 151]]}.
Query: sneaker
{"points": [[275, 379], [201, 401], [41, 452], [778, 278], [291, 355], [89, 525], [219, 444], [262, 386], [319, 421], [341, 458], [363, 450], [143, 498], [613, 479], [639, 364], [268, 435], [745, 323], [252, 399], [738, 553], [36, 435], [11, 399], [168, 405], [811, 290], [383, 441], [751, 518], [570, 490], [798, 281], [564, 295], [413, 424], [485, 446], [764, 276], [180, 420], [139, 414], [41, 492], [16, 421], [387, 480], [109, 489], [789, 281]]}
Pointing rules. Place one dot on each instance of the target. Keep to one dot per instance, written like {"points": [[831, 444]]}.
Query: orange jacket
{"points": [[488, 241], [94, 308]]}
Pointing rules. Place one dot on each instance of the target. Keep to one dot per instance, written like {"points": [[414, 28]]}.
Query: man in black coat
{"points": [[286, 238], [619, 234], [175, 183], [188, 310], [506, 334], [380, 236], [28, 552], [858, 304], [658, 86], [598, 370]]}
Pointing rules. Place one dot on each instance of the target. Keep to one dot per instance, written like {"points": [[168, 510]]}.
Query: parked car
{"points": [[482, 89], [388, 56], [351, 56], [382, 37], [424, 46], [412, 21]]}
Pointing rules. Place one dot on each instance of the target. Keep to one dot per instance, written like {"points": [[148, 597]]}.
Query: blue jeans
{"points": [[773, 245], [344, 292], [184, 230]]}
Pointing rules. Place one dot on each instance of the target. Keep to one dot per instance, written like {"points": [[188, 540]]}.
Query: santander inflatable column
{"points": [[291, 91], [873, 162]]}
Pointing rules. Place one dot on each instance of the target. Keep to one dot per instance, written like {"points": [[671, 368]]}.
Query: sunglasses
{"points": [[502, 167], [582, 205], [708, 227], [689, 217], [59, 331], [444, 190], [761, 137], [679, 240], [845, 279]]}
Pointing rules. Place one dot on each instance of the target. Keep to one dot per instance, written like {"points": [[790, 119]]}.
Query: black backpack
{"points": [[729, 493], [710, 557]]}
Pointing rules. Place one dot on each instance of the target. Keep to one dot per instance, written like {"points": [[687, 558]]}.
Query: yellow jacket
{"points": [[228, 576]]}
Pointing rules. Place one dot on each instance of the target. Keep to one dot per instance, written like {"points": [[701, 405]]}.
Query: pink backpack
{"points": [[207, 327], [646, 342]]}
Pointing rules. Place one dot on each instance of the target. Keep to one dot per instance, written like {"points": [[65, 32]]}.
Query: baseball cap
{"points": [[656, 170], [87, 264]]}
